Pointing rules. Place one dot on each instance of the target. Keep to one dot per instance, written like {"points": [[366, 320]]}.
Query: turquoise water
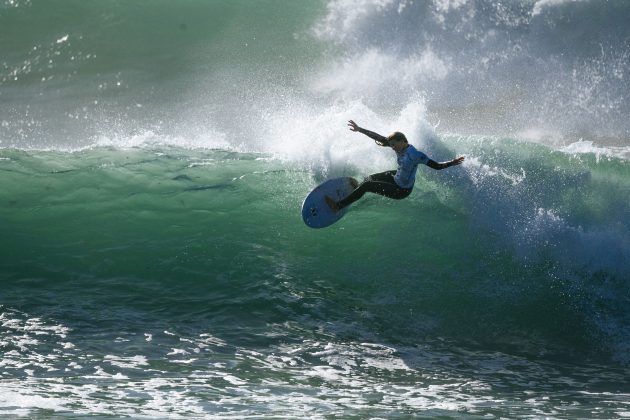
{"points": [[154, 263], [167, 281]]}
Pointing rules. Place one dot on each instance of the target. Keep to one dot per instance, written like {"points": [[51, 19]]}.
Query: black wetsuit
{"points": [[382, 183]]}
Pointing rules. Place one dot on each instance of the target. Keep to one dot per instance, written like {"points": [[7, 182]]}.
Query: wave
{"points": [[521, 244], [153, 161], [248, 117]]}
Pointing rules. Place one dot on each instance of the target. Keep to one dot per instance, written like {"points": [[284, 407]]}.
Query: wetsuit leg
{"points": [[382, 183]]}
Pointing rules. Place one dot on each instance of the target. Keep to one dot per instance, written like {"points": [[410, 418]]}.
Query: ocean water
{"points": [[153, 161]]}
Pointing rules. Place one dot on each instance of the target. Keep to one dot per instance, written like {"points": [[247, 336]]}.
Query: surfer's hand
{"points": [[380, 140], [353, 126], [457, 161], [443, 165]]}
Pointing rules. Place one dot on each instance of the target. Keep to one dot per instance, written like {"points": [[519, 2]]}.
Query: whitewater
{"points": [[153, 162]]}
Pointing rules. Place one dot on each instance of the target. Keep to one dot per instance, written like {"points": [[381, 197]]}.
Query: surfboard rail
{"points": [[315, 211]]}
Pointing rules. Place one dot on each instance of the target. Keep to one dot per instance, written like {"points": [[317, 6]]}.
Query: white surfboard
{"points": [[315, 212]]}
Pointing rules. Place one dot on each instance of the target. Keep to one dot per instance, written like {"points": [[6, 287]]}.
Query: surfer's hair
{"points": [[397, 136]]}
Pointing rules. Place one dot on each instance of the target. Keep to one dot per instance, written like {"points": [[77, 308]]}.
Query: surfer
{"points": [[393, 184]]}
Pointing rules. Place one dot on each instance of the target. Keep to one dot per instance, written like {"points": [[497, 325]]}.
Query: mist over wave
{"points": [[534, 68], [215, 75]]}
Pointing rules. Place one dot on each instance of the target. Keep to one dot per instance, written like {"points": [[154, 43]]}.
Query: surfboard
{"points": [[315, 212]]}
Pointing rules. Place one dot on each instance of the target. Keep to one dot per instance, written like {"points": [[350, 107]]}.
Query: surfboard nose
{"points": [[316, 212]]}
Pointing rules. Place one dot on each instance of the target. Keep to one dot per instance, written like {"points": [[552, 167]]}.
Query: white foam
{"points": [[209, 339], [209, 139], [21, 401], [348, 384], [63, 39], [130, 362], [175, 352], [234, 380], [323, 143], [345, 15], [380, 74], [540, 5], [589, 147], [483, 68]]}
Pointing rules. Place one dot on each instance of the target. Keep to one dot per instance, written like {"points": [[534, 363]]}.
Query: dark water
{"points": [[153, 261]]}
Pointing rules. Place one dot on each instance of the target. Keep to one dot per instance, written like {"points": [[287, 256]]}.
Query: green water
{"points": [[153, 161], [148, 281]]}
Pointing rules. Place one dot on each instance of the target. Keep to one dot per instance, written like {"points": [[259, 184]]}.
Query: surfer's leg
{"points": [[353, 196], [387, 176], [390, 190], [382, 183], [385, 185], [334, 205]]}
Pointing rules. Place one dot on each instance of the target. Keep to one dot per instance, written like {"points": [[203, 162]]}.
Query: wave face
{"points": [[157, 280], [154, 158]]}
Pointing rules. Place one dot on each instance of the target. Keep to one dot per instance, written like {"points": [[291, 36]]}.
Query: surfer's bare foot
{"points": [[332, 204]]}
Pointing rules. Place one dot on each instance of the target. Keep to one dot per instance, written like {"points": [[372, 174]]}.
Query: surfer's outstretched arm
{"points": [[380, 140], [443, 165]]}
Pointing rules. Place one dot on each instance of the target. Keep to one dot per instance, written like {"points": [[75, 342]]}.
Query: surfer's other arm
{"points": [[380, 140], [443, 165]]}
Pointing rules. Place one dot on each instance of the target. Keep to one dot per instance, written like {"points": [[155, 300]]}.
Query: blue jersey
{"points": [[408, 162]]}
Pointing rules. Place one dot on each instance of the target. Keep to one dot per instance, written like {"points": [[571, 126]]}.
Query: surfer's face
{"points": [[397, 145], [397, 141]]}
